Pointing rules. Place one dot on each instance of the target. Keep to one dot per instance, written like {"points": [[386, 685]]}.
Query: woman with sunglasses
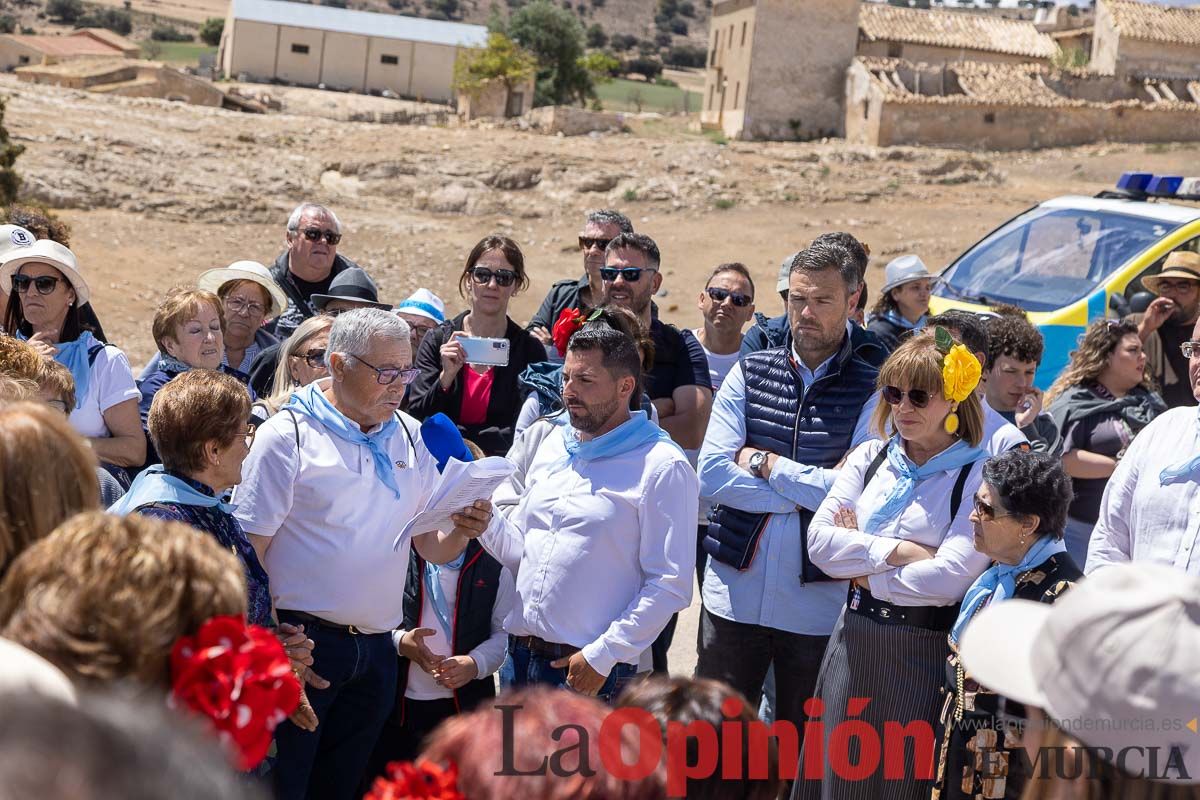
{"points": [[1100, 402], [301, 361], [1020, 511], [483, 401], [896, 527], [46, 289]]}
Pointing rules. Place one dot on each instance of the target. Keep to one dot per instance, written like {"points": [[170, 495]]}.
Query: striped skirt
{"points": [[875, 673]]}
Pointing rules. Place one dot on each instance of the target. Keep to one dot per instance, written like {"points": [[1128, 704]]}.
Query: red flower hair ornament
{"points": [[421, 781], [569, 321], [239, 678]]}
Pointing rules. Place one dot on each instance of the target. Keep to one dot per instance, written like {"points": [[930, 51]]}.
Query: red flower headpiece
{"points": [[422, 781], [569, 321], [239, 677]]}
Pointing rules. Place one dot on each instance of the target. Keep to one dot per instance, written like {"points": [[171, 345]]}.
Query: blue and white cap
{"points": [[424, 303], [13, 237]]}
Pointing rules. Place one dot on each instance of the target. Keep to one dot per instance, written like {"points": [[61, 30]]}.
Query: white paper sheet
{"points": [[461, 484]]}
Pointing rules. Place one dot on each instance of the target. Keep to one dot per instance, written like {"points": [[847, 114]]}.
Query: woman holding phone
{"points": [[483, 399]]}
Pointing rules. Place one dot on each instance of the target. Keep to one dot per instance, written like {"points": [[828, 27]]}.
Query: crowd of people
{"points": [[210, 586]]}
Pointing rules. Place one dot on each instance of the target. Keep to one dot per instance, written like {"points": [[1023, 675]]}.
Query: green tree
{"points": [[596, 37], [66, 11], [501, 60], [556, 39], [211, 30], [10, 181], [601, 66]]}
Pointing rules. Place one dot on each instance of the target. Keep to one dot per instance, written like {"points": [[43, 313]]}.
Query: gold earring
{"points": [[951, 424]]}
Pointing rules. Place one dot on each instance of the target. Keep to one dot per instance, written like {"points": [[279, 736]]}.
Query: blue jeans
{"points": [[522, 668], [328, 763]]}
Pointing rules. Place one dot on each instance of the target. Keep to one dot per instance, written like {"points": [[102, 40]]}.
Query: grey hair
{"points": [[607, 216], [352, 331], [294, 220]]}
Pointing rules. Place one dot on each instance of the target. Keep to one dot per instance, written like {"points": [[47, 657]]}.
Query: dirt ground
{"points": [[156, 192]]}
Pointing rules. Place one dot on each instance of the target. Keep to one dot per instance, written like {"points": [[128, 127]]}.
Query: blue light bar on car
{"points": [[1164, 185], [1135, 182]]}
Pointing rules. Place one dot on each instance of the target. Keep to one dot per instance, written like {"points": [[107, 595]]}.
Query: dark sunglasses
{"points": [[315, 358], [483, 276], [987, 511], [387, 377], [893, 396], [313, 234], [630, 274], [718, 296], [44, 284], [587, 243]]}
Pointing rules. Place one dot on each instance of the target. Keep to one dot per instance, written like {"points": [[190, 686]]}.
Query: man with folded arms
{"points": [[601, 542]]}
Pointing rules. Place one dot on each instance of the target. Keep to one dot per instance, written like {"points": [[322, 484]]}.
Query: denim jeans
{"points": [[522, 668], [328, 763]]}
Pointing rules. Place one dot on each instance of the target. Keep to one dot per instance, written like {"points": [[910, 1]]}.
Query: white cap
{"points": [[902, 270], [1115, 663], [785, 272], [43, 251], [13, 237], [424, 303], [213, 279], [24, 671]]}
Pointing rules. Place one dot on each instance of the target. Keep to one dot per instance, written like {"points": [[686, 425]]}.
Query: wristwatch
{"points": [[757, 462]]}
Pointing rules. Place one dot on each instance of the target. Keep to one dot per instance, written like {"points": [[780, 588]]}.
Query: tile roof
{"points": [[67, 45], [956, 29], [1155, 23], [363, 23]]}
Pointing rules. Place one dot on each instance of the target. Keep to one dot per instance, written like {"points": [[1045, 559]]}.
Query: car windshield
{"points": [[1048, 258]]}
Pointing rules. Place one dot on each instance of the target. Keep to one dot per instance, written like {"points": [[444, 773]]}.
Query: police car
{"points": [[1072, 260]]}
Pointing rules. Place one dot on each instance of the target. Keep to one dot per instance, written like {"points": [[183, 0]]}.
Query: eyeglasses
{"points": [[250, 430], [894, 396], [387, 377], [503, 277], [313, 234], [237, 305], [44, 284], [630, 274], [718, 296], [987, 511], [315, 358], [1190, 349], [587, 243]]}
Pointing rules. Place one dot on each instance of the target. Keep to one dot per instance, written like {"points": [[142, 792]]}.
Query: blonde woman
{"points": [[301, 361]]}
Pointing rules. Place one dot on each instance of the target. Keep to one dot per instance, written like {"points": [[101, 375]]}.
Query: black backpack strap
{"points": [[408, 434], [876, 463], [94, 351], [956, 496]]}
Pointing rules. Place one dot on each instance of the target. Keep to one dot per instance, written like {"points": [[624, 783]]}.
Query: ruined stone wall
{"points": [[1157, 58]]}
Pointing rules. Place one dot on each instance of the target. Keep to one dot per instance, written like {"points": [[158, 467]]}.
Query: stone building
{"points": [[1146, 39], [312, 45], [19, 50], [940, 37]]}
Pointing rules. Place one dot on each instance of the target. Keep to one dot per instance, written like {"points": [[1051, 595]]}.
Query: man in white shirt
{"points": [[329, 484], [1152, 500], [600, 541]]}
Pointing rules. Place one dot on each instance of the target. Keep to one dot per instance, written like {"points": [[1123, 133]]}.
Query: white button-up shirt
{"points": [[845, 553], [1142, 520], [603, 551], [332, 521]]}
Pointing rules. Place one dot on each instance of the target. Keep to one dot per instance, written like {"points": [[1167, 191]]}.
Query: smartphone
{"points": [[490, 352]]}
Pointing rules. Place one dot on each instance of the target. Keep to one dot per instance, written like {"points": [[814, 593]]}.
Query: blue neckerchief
{"points": [[311, 402], [638, 431], [154, 485], [171, 364], [953, 457], [74, 356], [437, 598], [1183, 470], [896, 318], [1000, 581]]}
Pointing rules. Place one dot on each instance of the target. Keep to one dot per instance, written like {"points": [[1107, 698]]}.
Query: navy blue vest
{"points": [[812, 427]]}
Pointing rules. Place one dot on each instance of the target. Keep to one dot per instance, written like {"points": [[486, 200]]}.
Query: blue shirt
{"points": [[768, 592]]}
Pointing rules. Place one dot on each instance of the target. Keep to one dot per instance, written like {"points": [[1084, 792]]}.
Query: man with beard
{"points": [[1168, 322], [600, 541]]}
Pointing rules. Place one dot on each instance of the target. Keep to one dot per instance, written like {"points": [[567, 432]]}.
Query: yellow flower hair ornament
{"points": [[961, 372]]}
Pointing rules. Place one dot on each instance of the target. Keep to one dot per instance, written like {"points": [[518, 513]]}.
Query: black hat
{"points": [[353, 285]]}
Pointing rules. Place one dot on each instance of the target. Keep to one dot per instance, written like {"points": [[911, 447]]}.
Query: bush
{"points": [[647, 67], [113, 19], [678, 27], [169, 33], [68, 11], [211, 30], [623, 41], [8, 23], [662, 39], [686, 55], [596, 37], [686, 9]]}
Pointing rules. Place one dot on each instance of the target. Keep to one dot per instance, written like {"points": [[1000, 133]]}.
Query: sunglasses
{"points": [[718, 296], [387, 377], [587, 243], [987, 511], [315, 358], [483, 276], [1190, 349], [313, 234], [893, 396], [44, 284], [630, 274]]}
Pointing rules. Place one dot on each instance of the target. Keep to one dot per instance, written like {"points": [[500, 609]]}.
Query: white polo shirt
{"points": [[332, 521]]}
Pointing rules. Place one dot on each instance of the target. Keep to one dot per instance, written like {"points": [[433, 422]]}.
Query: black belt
{"points": [[309, 619], [934, 618], [540, 647]]}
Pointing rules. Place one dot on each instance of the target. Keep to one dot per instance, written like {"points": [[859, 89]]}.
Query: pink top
{"points": [[477, 393]]}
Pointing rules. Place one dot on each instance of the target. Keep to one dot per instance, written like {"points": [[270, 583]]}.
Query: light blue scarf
{"points": [[1179, 471], [437, 598], [1000, 581], [312, 403], [74, 356], [153, 485], [953, 457], [896, 318], [635, 433]]}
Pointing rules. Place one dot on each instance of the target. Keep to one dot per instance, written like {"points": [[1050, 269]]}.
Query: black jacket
{"points": [[298, 309], [426, 398], [562, 295]]}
